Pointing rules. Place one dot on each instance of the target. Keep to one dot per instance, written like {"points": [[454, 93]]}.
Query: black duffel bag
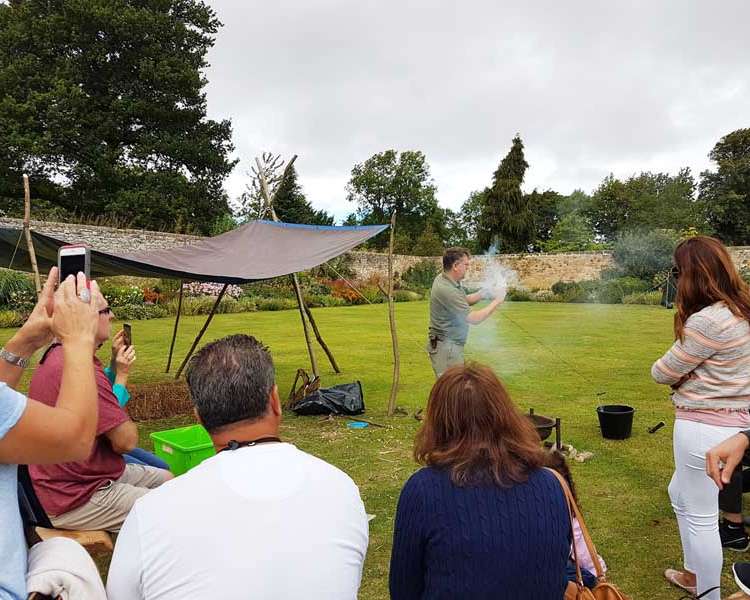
{"points": [[343, 399]]}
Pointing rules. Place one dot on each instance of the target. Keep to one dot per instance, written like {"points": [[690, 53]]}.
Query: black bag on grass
{"points": [[343, 399]]}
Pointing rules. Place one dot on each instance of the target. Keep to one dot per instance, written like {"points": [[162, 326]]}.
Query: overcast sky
{"points": [[592, 87]]}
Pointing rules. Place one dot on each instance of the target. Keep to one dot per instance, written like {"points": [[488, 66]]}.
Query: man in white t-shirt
{"points": [[260, 520]]}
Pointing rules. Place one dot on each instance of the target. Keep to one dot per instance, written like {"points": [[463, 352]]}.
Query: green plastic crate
{"points": [[183, 448]]}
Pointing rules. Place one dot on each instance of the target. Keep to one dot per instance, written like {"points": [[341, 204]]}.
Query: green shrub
{"points": [[406, 296], [560, 288], [276, 303], [202, 305], [372, 293], [275, 288], [11, 318], [603, 291], [545, 296], [168, 288], [421, 275], [122, 295], [313, 285], [573, 291], [650, 298], [518, 295], [329, 301], [247, 304], [644, 254], [135, 312], [321, 301], [16, 289], [612, 291]]}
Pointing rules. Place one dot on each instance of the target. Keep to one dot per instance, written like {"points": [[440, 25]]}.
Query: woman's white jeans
{"points": [[695, 500]]}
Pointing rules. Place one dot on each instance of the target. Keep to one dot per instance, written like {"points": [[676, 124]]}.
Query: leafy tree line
{"points": [[503, 218]]}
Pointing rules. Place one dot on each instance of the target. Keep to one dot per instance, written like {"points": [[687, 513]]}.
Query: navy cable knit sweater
{"points": [[480, 542]]}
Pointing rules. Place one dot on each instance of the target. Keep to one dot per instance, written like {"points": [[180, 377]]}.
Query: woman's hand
{"points": [[683, 379], [722, 460], [36, 331], [125, 357], [75, 322], [118, 342]]}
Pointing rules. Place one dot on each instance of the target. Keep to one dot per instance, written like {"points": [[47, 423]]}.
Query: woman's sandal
{"points": [[673, 577]]}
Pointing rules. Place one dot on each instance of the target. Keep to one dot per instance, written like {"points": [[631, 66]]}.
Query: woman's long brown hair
{"points": [[707, 275], [473, 429]]}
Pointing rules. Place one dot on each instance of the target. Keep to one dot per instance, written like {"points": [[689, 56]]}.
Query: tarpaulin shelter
{"points": [[255, 251]]}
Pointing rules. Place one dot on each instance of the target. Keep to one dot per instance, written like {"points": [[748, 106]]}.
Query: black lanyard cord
{"points": [[234, 444]]}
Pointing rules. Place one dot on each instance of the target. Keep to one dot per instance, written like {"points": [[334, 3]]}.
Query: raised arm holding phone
{"points": [[31, 432]]}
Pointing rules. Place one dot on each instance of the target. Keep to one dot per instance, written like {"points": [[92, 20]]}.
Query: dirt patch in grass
{"points": [[159, 401]]}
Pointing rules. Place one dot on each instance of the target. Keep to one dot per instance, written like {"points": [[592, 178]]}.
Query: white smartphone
{"points": [[74, 259]]}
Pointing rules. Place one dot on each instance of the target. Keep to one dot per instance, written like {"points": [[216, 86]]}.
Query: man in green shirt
{"points": [[450, 312]]}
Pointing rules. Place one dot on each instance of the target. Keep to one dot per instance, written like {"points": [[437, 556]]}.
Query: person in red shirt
{"points": [[96, 493]]}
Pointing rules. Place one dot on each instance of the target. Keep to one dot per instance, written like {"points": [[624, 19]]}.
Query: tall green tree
{"points": [[610, 208], [390, 181], [461, 226], [544, 206], [507, 218], [292, 206], [646, 201], [726, 191], [577, 201], [572, 233], [103, 105]]}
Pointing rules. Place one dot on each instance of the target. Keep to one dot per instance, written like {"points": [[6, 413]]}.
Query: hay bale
{"points": [[159, 400]]}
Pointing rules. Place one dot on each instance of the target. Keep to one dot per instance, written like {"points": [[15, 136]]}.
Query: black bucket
{"points": [[616, 421]]}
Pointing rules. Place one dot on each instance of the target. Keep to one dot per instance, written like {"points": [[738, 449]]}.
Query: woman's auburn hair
{"points": [[706, 275], [473, 429]]}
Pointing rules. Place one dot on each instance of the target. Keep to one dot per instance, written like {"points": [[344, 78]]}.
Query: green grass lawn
{"points": [[561, 359]]}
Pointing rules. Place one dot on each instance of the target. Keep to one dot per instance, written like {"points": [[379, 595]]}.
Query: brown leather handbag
{"points": [[603, 590]]}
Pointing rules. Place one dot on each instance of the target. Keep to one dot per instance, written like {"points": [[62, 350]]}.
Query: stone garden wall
{"points": [[534, 270]]}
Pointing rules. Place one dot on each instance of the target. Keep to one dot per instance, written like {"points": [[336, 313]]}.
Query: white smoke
{"points": [[496, 280]]}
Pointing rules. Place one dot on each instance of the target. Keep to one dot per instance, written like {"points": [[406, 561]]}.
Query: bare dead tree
{"points": [[252, 204]]}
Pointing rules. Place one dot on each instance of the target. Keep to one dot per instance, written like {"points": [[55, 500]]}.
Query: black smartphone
{"points": [[128, 335], [72, 260]]}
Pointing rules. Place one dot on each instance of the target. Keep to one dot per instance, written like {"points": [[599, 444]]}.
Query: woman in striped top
{"points": [[707, 369]]}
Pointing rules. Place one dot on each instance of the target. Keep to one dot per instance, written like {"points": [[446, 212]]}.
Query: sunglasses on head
{"points": [[105, 311]]}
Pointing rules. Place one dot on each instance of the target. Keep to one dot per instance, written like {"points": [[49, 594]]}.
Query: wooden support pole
{"points": [[174, 333], [318, 337], [295, 282], [301, 307], [202, 331], [27, 232], [392, 321]]}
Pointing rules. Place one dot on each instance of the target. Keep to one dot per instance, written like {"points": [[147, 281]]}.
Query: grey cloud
{"points": [[591, 86]]}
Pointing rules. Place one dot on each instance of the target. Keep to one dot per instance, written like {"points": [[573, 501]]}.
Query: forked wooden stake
{"points": [[27, 232], [392, 321]]}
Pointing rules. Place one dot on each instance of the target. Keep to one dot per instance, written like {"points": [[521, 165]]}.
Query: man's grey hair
{"points": [[230, 380]]}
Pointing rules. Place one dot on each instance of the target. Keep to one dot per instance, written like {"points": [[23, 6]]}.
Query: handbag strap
{"points": [[576, 513]]}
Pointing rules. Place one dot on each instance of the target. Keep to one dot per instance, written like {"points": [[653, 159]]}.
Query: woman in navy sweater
{"points": [[482, 520]]}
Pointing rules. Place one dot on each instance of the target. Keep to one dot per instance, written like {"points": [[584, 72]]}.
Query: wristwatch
{"points": [[13, 359]]}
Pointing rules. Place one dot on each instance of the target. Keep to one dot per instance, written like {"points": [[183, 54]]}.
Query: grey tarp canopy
{"points": [[257, 250]]}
